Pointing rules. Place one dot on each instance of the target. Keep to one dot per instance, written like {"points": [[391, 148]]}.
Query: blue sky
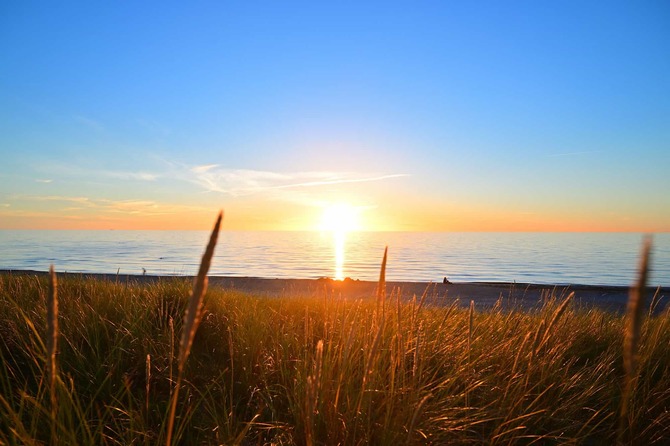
{"points": [[425, 115]]}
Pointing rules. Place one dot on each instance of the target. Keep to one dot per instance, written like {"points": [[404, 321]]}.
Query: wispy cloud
{"points": [[68, 199], [342, 181], [204, 168], [76, 171], [229, 181], [102, 205], [308, 188], [240, 182], [147, 207], [23, 213], [142, 176], [40, 180]]}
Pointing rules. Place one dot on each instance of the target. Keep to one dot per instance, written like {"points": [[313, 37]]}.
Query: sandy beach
{"points": [[485, 295]]}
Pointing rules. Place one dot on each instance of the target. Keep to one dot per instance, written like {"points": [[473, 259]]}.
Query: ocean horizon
{"points": [[544, 258]]}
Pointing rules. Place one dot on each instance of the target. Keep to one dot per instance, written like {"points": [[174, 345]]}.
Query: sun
{"points": [[341, 217]]}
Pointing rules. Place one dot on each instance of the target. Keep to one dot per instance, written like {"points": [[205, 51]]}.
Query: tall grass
{"points": [[321, 371], [634, 321], [52, 346], [192, 320]]}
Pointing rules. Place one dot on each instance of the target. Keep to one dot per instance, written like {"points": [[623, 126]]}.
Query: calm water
{"points": [[555, 258]]}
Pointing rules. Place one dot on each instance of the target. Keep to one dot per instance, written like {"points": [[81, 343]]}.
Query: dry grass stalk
{"points": [[381, 294], [344, 353], [381, 286], [538, 338], [399, 337], [471, 320], [312, 394], [194, 310], [519, 351], [192, 319], [634, 316], [416, 371], [171, 325], [559, 311], [498, 305], [536, 342], [554, 319], [52, 345], [421, 301], [655, 300], [451, 307], [368, 371], [515, 365], [398, 316], [231, 352], [148, 383], [634, 312], [419, 406]]}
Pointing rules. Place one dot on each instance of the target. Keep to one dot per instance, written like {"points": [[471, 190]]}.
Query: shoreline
{"points": [[526, 296]]}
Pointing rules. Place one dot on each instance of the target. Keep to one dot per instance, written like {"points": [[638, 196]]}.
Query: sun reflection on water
{"points": [[339, 238], [340, 219]]}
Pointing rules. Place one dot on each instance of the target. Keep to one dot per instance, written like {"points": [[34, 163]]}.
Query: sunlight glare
{"points": [[340, 218]]}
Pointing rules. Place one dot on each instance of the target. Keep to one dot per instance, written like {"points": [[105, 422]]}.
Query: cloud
{"points": [[23, 213], [241, 182], [343, 181], [148, 207], [204, 168], [81, 200], [234, 182], [73, 170], [142, 176], [106, 206], [39, 180], [310, 188]]}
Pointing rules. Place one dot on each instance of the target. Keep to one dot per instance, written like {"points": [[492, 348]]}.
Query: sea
{"points": [[544, 258]]}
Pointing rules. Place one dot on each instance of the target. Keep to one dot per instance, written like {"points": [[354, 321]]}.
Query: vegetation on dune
{"points": [[320, 370]]}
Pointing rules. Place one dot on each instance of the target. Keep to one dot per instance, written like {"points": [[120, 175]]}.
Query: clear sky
{"points": [[464, 116]]}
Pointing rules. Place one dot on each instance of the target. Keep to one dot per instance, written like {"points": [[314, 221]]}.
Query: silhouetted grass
{"points": [[319, 370]]}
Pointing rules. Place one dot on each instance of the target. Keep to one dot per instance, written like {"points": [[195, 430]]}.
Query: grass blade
{"points": [[192, 321], [52, 345], [381, 286], [634, 315], [194, 310]]}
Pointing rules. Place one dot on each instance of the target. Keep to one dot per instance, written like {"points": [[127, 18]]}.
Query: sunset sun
{"points": [[341, 217]]}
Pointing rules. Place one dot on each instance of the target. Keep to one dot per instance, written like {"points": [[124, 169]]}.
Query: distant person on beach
{"points": [[446, 281]]}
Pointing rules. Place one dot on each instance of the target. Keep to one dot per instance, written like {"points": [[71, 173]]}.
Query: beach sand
{"points": [[485, 295]]}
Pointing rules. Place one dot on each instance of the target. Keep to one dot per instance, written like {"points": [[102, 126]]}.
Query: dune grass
{"points": [[320, 370]]}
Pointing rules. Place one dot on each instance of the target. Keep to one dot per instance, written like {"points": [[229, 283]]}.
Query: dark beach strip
{"points": [[523, 296]]}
